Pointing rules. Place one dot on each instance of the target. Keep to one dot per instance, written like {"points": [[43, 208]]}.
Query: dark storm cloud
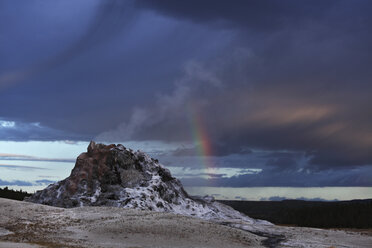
{"points": [[298, 78], [277, 76], [360, 176], [110, 57], [212, 175], [21, 157], [15, 183], [20, 131], [44, 181], [218, 150], [110, 18], [258, 15], [25, 183], [282, 163]]}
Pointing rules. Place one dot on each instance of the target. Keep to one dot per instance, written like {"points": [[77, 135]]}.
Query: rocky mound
{"points": [[112, 175]]}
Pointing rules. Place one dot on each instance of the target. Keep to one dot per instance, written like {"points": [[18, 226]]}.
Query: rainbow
{"points": [[201, 141]]}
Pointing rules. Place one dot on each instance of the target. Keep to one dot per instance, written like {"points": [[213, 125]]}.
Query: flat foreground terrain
{"points": [[24, 225], [29, 225]]}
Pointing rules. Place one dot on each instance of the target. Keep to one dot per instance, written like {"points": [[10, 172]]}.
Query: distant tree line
{"points": [[13, 194], [341, 214]]}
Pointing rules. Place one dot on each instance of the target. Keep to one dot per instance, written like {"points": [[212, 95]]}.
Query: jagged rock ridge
{"points": [[112, 175]]}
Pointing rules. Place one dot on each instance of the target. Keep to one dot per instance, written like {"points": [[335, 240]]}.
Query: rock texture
{"points": [[29, 225], [112, 175]]}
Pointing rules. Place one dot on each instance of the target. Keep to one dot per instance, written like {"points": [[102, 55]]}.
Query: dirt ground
{"points": [[28, 225]]}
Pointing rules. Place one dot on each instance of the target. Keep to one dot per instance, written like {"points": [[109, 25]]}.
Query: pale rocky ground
{"points": [[29, 225]]}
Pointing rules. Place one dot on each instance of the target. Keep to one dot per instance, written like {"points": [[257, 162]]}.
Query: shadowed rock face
{"points": [[112, 175], [104, 175]]}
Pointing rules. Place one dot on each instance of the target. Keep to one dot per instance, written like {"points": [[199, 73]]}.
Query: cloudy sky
{"points": [[227, 93]]}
